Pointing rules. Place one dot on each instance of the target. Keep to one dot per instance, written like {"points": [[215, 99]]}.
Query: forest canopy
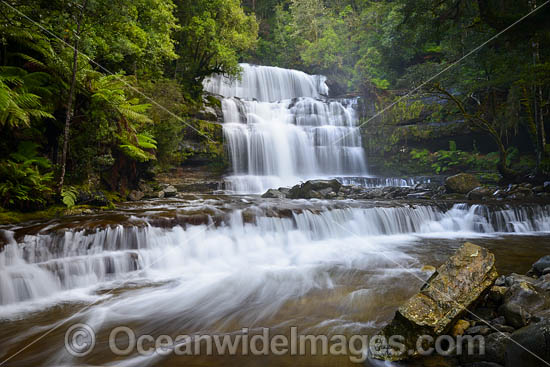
{"points": [[102, 93]]}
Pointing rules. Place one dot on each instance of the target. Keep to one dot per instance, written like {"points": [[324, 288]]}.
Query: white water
{"points": [[280, 130], [44, 265]]}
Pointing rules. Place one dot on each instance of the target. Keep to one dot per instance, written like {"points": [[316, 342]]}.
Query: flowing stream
{"points": [[215, 264]]}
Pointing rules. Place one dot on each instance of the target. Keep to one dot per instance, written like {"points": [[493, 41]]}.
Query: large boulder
{"points": [[462, 183], [314, 189], [456, 285], [529, 346]]}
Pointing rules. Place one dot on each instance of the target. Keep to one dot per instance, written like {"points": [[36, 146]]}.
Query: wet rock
{"points": [[499, 320], [501, 281], [480, 193], [479, 330], [517, 278], [311, 189], [94, 198], [461, 280], [538, 189], [136, 195], [515, 315], [420, 195], [495, 347], [460, 327], [170, 191], [483, 314], [541, 264], [530, 346], [428, 268], [273, 194], [504, 328], [521, 193], [462, 183], [522, 302], [496, 294], [207, 113]]}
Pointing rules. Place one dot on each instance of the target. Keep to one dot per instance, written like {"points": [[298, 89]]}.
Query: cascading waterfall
{"points": [[280, 129], [44, 264]]}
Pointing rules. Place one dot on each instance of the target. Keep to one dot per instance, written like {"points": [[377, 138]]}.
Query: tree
{"points": [[212, 35]]}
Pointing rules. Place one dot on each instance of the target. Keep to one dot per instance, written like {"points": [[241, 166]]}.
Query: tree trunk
{"points": [[69, 113]]}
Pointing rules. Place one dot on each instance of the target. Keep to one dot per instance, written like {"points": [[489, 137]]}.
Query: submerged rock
{"points": [[462, 183], [455, 286]]}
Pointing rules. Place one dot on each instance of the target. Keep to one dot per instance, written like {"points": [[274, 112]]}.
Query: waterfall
{"points": [[280, 129], [39, 265]]}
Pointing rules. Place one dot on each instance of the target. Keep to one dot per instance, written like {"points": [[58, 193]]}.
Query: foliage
{"points": [[17, 104], [210, 39], [25, 179], [69, 196]]}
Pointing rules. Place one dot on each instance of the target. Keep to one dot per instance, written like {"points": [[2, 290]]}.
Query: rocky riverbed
{"points": [[508, 315], [460, 187]]}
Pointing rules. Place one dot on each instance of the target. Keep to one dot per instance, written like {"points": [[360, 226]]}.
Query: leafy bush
{"points": [[25, 179]]}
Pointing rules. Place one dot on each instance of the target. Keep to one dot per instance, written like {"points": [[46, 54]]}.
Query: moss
{"points": [[213, 101], [13, 217]]}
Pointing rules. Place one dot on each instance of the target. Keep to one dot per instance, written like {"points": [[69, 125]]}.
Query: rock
{"points": [[515, 315], [273, 194], [310, 189], [546, 271], [499, 320], [483, 314], [461, 280], [500, 194], [495, 347], [207, 113], [420, 195], [541, 264], [170, 191], [462, 183], [160, 194], [529, 343], [538, 189], [501, 281], [428, 268], [460, 327], [480, 193], [517, 278], [483, 364], [504, 328], [479, 330], [521, 193], [145, 187], [496, 294], [527, 296], [94, 198], [136, 195]]}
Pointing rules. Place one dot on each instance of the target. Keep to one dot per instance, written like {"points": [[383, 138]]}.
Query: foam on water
{"points": [[43, 265]]}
